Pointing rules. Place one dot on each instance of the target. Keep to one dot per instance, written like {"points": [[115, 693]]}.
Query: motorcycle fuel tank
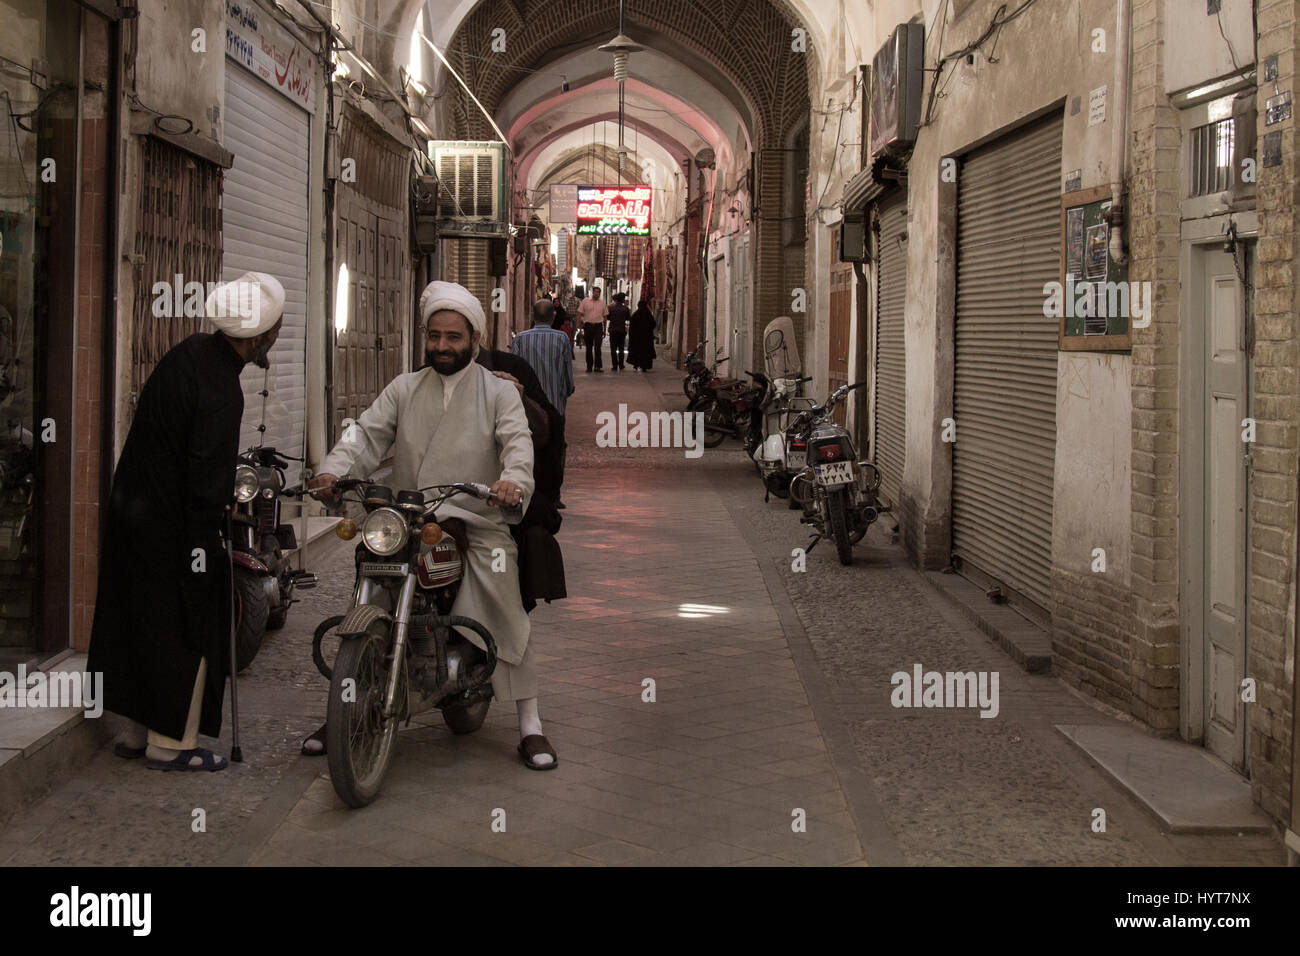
{"points": [[440, 565]]}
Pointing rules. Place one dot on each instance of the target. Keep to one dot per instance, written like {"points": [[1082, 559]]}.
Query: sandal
{"points": [[207, 761], [316, 738], [534, 745], [128, 753]]}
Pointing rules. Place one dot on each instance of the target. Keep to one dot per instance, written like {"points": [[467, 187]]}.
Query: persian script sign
{"points": [[262, 46], [613, 210]]}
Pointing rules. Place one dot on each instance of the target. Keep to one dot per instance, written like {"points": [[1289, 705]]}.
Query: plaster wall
{"points": [[1195, 50], [1046, 64]]}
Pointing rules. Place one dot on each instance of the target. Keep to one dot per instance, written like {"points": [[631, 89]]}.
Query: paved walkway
{"points": [[771, 705]]}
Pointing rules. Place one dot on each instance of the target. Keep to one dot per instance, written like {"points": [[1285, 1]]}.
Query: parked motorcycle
{"points": [[782, 452], [702, 382], [399, 655], [264, 580], [836, 491], [733, 411]]}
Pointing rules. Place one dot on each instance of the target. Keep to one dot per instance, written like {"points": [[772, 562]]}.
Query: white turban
{"points": [[449, 295], [246, 307]]}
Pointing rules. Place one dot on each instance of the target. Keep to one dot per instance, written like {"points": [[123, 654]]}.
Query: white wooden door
{"points": [[1222, 608]]}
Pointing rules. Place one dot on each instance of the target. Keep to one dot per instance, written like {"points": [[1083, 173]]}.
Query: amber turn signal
{"points": [[346, 529], [430, 533]]}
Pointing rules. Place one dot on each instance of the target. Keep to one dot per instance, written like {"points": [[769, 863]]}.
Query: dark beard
{"points": [[445, 366]]}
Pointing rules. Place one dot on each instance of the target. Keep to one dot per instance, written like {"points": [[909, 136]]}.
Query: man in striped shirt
{"points": [[550, 353]]}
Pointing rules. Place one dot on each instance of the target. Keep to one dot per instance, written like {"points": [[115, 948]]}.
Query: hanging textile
{"points": [[670, 275], [608, 256], [661, 274], [547, 274], [586, 258], [635, 258], [648, 274], [623, 245]]}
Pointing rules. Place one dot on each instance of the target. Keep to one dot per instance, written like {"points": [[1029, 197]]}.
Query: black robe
{"points": [[156, 616], [641, 340], [541, 565]]}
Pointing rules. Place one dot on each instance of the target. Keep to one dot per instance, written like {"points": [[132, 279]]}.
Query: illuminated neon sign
{"points": [[614, 210]]}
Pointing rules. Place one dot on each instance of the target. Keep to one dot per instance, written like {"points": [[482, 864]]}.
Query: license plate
{"points": [[835, 473], [374, 569]]}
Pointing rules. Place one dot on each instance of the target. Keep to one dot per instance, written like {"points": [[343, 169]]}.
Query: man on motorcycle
{"points": [[453, 420]]}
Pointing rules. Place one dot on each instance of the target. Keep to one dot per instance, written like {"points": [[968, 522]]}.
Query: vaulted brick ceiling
{"points": [[741, 47]]}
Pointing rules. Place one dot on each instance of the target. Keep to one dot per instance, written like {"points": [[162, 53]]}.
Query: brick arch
{"points": [[735, 40], [669, 144], [742, 47]]}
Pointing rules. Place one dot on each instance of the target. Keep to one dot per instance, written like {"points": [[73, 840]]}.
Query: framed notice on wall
{"points": [[1093, 301]]}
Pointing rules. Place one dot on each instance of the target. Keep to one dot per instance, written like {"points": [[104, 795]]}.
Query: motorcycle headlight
{"points": [[384, 531], [246, 483]]}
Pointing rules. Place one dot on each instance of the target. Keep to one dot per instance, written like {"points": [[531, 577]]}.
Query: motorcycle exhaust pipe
{"points": [[869, 514]]}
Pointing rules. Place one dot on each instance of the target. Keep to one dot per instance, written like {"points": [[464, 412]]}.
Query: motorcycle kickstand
{"points": [[812, 543]]}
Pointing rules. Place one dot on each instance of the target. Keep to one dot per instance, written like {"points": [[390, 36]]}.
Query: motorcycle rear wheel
{"points": [[251, 615], [838, 508], [359, 742], [715, 428], [466, 719]]}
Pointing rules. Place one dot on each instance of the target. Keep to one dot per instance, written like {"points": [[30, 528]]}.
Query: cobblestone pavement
{"points": [[771, 704]]}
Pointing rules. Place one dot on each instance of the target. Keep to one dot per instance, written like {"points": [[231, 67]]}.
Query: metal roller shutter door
{"points": [[265, 230], [889, 446], [1008, 242]]}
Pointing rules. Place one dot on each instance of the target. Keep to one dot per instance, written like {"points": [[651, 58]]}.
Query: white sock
{"points": [[531, 723]]}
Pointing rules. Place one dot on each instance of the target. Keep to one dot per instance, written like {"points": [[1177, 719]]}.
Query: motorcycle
{"points": [[702, 382], [264, 579], [732, 411], [782, 453], [398, 654], [836, 491]]}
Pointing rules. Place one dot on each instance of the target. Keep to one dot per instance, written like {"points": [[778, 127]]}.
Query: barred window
{"points": [[1211, 148]]}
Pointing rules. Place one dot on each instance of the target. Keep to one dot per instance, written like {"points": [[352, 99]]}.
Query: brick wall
{"points": [[1154, 247], [1091, 639], [89, 350], [1275, 387]]}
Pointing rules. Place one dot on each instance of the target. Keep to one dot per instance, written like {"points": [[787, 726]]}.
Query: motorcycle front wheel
{"points": [[838, 507], [251, 613], [359, 742], [715, 425]]}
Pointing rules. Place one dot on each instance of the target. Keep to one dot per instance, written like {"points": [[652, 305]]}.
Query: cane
{"points": [[236, 755]]}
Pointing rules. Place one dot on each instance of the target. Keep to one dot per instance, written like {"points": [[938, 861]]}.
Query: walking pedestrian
{"points": [[161, 631], [641, 337], [618, 319], [592, 313], [564, 323]]}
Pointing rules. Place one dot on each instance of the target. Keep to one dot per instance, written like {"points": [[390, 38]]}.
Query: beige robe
{"points": [[482, 436]]}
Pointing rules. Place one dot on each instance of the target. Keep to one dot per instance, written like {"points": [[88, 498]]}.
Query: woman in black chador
{"points": [[641, 338]]}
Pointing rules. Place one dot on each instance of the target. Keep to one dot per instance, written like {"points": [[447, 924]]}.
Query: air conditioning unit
{"points": [[896, 82], [472, 188]]}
